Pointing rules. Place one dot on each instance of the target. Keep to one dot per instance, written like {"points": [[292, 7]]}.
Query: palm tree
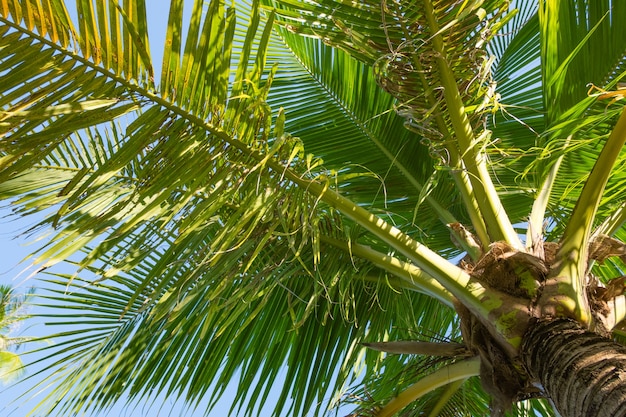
{"points": [[11, 313], [429, 191]]}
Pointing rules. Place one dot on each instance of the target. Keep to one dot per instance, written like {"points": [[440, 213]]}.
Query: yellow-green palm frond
{"points": [[48, 18]]}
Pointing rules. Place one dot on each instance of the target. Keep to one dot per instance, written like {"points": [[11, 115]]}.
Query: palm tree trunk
{"points": [[583, 373]]}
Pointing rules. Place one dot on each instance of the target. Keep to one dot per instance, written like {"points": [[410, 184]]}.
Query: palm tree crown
{"points": [[383, 198]]}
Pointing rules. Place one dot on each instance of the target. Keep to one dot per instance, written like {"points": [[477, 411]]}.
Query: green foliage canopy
{"points": [[275, 199]]}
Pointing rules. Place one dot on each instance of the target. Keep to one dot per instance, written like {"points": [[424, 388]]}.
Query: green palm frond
{"points": [[597, 60], [586, 55], [294, 318], [431, 57], [344, 117]]}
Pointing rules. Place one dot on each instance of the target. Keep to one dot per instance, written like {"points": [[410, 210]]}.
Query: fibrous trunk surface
{"points": [[583, 373]]}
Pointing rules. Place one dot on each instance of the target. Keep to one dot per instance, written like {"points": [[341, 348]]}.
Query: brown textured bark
{"points": [[583, 373]]}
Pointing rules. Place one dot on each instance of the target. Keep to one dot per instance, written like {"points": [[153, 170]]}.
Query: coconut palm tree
{"points": [[409, 206]]}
